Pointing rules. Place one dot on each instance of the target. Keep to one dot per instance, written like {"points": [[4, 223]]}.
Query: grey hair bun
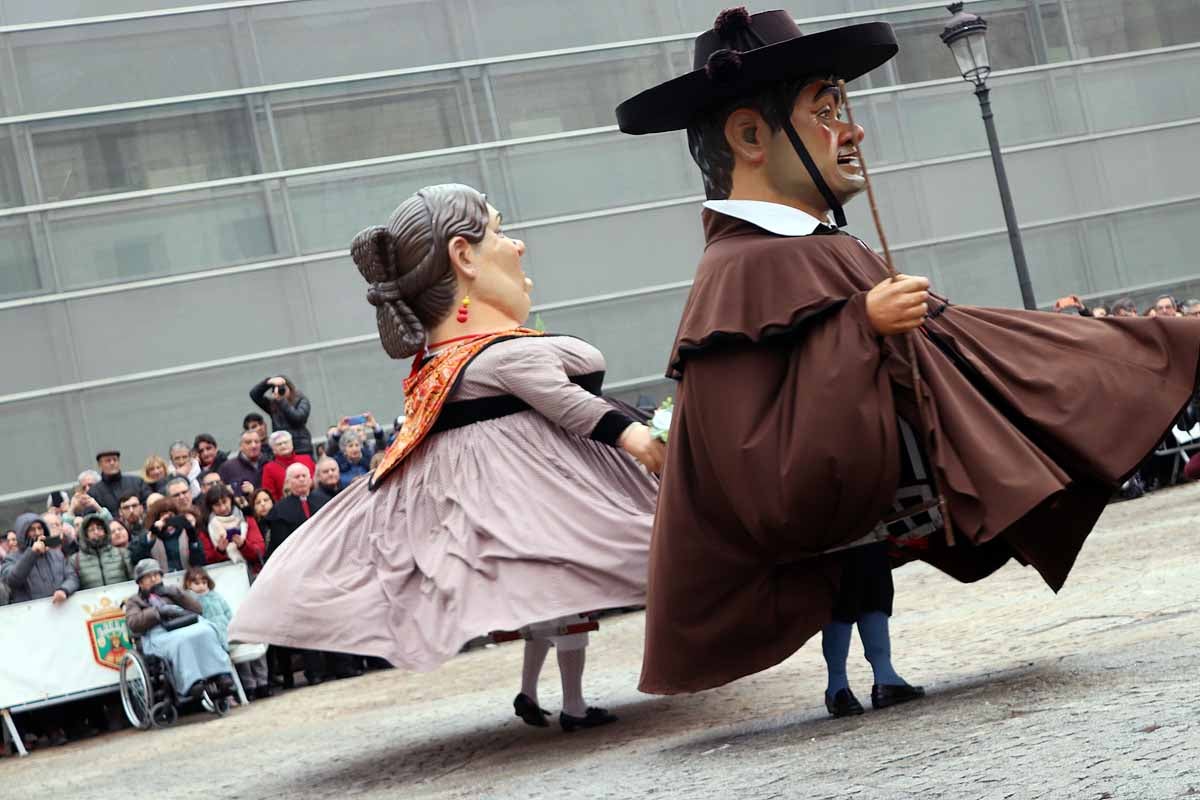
{"points": [[407, 262]]}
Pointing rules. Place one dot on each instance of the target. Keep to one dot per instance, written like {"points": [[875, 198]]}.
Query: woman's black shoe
{"points": [[531, 712], [843, 704], [262, 693], [884, 695], [594, 718]]}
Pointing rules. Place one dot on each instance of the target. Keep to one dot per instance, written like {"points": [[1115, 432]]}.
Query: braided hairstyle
{"points": [[407, 262]]}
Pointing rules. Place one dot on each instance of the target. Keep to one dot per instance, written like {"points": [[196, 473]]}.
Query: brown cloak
{"points": [[784, 442]]}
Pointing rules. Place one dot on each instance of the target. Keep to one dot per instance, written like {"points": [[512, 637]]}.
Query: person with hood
{"points": [[98, 563], [275, 471], [113, 485], [289, 410], [39, 568], [194, 652]]}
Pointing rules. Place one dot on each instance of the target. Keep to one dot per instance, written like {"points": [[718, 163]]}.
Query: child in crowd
{"points": [[253, 674]]}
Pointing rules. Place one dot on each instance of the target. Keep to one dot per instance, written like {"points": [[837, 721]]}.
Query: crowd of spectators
{"points": [[199, 506]]}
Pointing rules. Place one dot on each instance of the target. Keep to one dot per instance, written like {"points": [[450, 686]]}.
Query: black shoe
{"points": [[224, 685], [843, 704], [884, 695], [531, 712], [313, 680], [594, 718], [262, 692]]}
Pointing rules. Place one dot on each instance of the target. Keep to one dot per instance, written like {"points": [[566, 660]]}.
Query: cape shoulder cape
{"points": [[784, 441]]}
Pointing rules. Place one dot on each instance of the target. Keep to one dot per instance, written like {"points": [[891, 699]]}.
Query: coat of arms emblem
{"points": [[107, 632]]}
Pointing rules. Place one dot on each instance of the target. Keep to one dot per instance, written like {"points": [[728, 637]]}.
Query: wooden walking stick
{"points": [[912, 347]]}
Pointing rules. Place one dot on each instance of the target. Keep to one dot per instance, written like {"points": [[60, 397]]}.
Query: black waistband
{"points": [[461, 413]]}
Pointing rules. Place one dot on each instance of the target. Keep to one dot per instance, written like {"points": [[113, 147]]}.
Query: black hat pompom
{"points": [[731, 21], [724, 66]]}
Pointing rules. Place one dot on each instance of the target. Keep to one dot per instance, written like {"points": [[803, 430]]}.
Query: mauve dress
{"points": [[488, 526]]}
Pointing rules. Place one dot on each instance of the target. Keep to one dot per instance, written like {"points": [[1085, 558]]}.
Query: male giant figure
{"points": [[796, 431]]}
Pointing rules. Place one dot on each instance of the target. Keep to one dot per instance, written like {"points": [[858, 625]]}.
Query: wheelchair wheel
{"points": [[164, 714], [137, 693]]}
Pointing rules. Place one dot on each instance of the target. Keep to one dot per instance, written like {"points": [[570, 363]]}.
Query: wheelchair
{"points": [[148, 697]]}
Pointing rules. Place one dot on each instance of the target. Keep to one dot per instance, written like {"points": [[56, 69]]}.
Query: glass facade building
{"points": [[179, 185]]}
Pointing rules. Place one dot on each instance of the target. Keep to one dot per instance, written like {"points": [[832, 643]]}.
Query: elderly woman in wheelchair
{"points": [[180, 654]]}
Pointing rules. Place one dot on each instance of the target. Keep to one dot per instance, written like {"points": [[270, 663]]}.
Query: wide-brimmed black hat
{"points": [[745, 51]]}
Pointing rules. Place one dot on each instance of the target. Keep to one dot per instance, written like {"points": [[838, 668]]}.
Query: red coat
{"points": [[274, 472], [253, 549]]}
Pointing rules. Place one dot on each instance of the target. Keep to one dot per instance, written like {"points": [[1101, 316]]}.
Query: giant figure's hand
{"points": [[898, 306], [642, 445]]}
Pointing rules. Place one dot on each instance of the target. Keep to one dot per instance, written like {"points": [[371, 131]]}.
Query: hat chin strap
{"points": [[839, 216]]}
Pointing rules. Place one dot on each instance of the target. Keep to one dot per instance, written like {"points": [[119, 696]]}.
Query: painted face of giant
{"points": [[501, 281], [831, 141]]}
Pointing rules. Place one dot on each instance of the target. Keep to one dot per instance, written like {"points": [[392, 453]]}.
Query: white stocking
{"points": [[570, 669], [535, 657]]}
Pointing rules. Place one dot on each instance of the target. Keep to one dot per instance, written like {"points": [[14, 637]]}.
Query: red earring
{"points": [[464, 311]]}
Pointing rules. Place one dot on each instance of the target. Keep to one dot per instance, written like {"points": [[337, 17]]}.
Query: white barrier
{"points": [[53, 652]]}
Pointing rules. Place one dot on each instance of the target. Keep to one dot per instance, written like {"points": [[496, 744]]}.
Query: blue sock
{"points": [[877, 647], [835, 646]]}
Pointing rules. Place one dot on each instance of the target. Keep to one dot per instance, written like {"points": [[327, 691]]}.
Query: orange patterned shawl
{"points": [[425, 393]]}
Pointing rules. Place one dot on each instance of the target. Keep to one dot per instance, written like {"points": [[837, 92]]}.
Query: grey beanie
{"points": [[147, 566]]}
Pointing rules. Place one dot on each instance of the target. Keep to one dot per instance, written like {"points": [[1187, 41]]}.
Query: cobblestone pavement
{"points": [[1090, 694]]}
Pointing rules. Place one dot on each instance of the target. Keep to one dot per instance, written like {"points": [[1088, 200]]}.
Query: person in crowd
{"points": [[275, 471], [243, 472], [370, 434], [353, 457], [155, 472], [230, 535], [185, 466], [58, 530], [132, 513], [214, 607], [1125, 307], [1071, 304], [290, 512], [60, 501], [113, 484], [289, 410], [1165, 306], [329, 478], [99, 562], [1100, 311], [179, 492], [194, 652], [171, 539], [376, 460], [142, 543], [81, 503], [119, 535], [10, 541], [1191, 308], [39, 568], [450, 290], [207, 481], [207, 452], [259, 510]]}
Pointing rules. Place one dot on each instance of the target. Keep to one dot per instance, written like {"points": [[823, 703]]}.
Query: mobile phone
{"points": [[358, 420]]}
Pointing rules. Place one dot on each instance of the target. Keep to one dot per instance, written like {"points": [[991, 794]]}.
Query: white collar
{"points": [[772, 217]]}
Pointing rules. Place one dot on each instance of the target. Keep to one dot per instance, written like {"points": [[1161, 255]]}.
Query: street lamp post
{"points": [[966, 36]]}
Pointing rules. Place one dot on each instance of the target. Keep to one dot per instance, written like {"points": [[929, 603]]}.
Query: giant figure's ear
{"points": [[747, 134], [463, 258]]}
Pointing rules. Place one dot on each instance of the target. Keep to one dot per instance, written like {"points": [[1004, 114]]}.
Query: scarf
{"points": [[426, 391]]}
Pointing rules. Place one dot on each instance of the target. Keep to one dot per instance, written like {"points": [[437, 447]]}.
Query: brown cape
{"points": [[784, 441]]}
